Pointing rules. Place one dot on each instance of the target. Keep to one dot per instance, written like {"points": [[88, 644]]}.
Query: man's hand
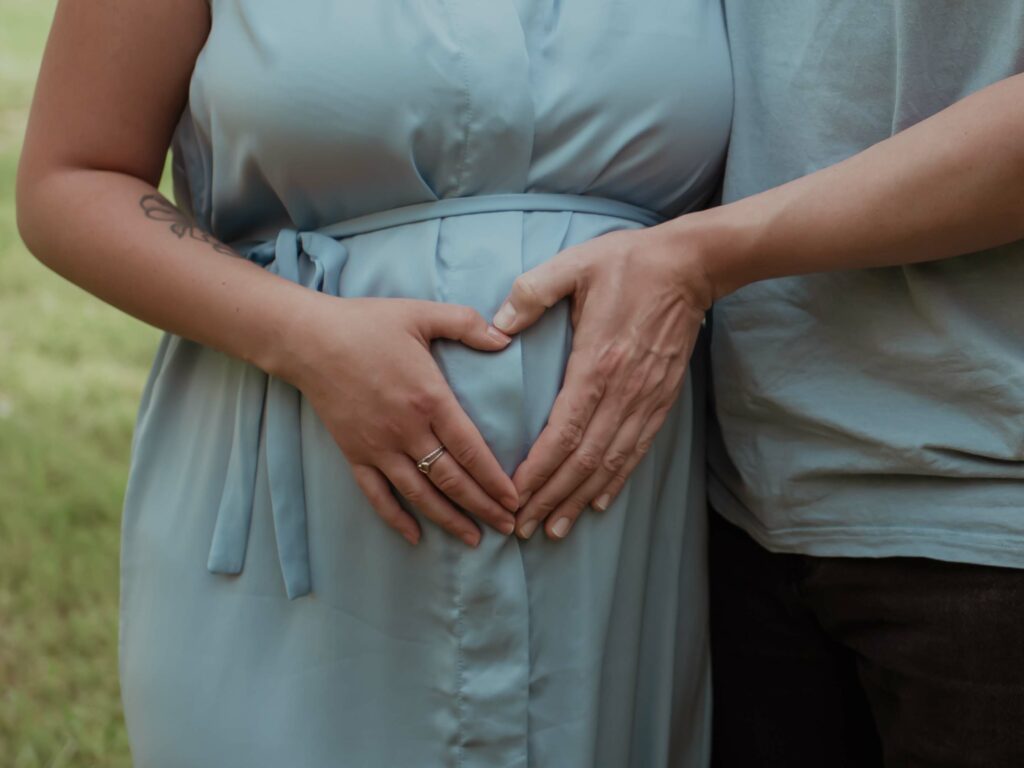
{"points": [[637, 307]]}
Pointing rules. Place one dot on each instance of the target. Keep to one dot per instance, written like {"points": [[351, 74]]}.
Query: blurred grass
{"points": [[71, 372]]}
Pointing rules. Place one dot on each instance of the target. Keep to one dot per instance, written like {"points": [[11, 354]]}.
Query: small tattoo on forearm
{"points": [[159, 208]]}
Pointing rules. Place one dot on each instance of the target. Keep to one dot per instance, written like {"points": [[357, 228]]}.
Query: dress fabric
{"points": [[432, 150]]}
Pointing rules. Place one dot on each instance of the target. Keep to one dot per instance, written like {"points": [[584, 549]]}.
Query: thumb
{"points": [[461, 323], [535, 291]]}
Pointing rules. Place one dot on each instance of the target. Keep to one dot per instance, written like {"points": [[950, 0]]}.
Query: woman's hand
{"points": [[385, 401], [638, 301]]}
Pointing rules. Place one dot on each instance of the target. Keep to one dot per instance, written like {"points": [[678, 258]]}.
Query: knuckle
{"points": [[525, 289], [570, 435], [615, 460], [467, 317], [466, 455], [448, 483], [424, 402], [587, 460], [544, 507], [591, 396], [533, 480]]}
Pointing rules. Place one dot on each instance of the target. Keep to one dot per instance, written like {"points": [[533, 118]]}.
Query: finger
{"points": [[651, 422], [570, 416], [461, 323], [452, 480], [375, 487], [417, 490], [611, 491], [535, 291], [459, 435], [577, 468], [615, 459]]}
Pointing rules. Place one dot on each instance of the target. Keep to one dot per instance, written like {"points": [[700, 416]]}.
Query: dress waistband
{"points": [[462, 206]]}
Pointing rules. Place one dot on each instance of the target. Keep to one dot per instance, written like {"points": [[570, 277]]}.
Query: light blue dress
{"points": [[432, 150]]}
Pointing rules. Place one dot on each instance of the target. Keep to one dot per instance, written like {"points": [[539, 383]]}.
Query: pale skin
{"points": [[113, 82], [950, 185]]}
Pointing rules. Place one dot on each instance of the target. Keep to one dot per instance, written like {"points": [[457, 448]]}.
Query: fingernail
{"points": [[472, 539], [561, 527], [511, 503], [505, 317], [414, 540], [602, 502], [507, 527], [497, 335], [526, 529]]}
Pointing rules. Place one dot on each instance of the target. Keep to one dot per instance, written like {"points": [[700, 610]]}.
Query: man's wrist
{"points": [[716, 247]]}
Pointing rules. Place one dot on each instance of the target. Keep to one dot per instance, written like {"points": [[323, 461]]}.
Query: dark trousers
{"points": [[827, 662]]}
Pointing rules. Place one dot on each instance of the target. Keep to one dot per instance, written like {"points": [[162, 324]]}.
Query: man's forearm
{"points": [[950, 185]]}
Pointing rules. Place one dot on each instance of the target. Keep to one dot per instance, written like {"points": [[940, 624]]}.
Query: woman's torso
{"points": [[580, 653]]}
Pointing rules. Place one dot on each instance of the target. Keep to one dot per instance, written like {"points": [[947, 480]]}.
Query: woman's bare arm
{"points": [[113, 84]]}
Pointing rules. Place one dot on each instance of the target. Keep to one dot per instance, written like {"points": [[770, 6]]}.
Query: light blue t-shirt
{"points": [[877, 412]]}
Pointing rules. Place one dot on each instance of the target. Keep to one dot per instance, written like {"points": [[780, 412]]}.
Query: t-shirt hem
{"points": [[1006, 551]]}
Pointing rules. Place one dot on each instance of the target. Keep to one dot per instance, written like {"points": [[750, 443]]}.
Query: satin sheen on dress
{"points": [[432, 150]]}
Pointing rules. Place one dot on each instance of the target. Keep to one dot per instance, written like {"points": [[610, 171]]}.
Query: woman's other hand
{"points": [[385, 401], [638, 301]]}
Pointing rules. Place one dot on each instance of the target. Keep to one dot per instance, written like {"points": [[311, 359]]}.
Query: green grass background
{"points": [[71, 373]]}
